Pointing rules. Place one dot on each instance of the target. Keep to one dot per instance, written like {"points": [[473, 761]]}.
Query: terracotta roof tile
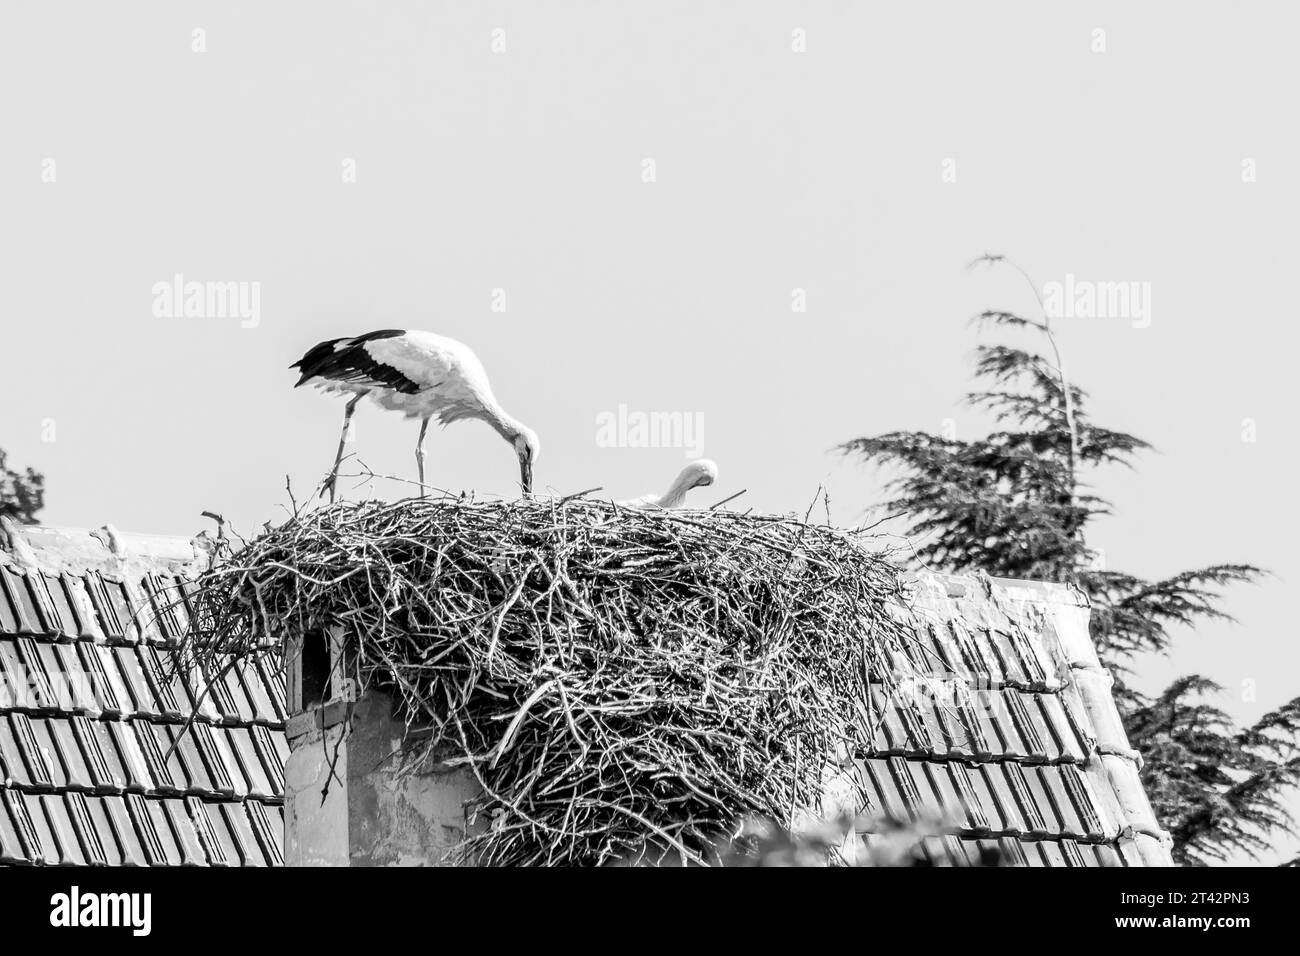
{"points": [[21, 841], [182, 828], [946, 802], [159, 848], [46, 848], [103, 770], [218, 760], [185, 764], [131, 671], [167, 603], [112, 610], [40, 696], [268, 828], [53, 603], [68, 752], [249, 761], [212, 850], [23, 616], [1013, 851], [163, 688], [130, 756], [67, 846], [239, 831], [105, 682], [1033, 743], [85, 833], [274, 681], [129, 841], [34, 748]]}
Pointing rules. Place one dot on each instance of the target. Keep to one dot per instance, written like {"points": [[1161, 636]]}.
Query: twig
{"points": [[1045, 326], [579, 494], [221, 523], [719, 504]]}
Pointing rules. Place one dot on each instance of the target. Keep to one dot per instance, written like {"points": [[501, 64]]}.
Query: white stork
{"points": [[694, 475], [421, 375]]}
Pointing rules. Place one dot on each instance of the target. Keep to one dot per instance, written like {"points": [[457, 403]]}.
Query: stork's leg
{"points": [[419, 453], [332, 480]]}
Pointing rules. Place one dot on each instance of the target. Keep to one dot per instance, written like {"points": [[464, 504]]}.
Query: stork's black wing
{"points": [[347, 361]]}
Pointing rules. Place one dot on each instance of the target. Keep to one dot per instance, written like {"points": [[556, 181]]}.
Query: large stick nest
{"points": [[625, 684]]}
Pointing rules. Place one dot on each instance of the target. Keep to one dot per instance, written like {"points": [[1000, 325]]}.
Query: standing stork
{"points": [[421, 375], [694, 475]]}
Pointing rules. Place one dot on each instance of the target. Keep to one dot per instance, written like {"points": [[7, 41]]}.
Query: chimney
{"points": [[346, 803]]}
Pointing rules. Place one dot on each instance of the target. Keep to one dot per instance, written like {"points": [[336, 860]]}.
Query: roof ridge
{"points": [[64, 548], [1114, 754]]}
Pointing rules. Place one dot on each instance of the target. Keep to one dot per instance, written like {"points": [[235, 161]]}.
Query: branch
{"points": [[1046, 328]]}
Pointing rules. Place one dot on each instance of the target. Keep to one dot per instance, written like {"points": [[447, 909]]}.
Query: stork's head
{"points": [[699, 473], [527, 446]]}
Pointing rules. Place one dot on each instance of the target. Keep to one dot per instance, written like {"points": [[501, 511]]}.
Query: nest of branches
{"points": [[626, 685]]}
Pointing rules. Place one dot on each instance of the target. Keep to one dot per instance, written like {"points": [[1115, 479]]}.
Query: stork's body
{"points": [[421, 375], [695, 475]]}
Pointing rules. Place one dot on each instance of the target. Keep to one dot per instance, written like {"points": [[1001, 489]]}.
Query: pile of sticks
{"points": [[626, 685]]}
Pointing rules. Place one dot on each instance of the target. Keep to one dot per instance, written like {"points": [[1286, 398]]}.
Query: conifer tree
{"points": [[1015, 504], [22, 494]]}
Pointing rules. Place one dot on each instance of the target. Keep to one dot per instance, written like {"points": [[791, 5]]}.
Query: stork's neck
{"points": [[506, 425], [676, 493]]}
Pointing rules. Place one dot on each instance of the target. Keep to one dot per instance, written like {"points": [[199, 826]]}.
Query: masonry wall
{"points": [[370, 815], [316, 816]]}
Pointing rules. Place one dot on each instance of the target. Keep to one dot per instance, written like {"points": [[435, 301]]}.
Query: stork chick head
{"points": [[699, 473], [527, 446]]}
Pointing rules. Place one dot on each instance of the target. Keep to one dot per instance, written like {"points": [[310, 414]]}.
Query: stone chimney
{"points": [[345, 802]]}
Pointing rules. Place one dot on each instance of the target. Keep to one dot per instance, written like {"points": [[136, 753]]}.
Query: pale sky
{"points": [[524, 170]]}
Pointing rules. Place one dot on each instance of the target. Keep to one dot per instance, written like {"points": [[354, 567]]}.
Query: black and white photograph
{"points": [[503, 435]]}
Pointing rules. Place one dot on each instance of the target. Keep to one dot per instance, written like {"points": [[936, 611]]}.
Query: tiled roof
{"points": [[1002, 731], [90, 705], [1000, 727]]}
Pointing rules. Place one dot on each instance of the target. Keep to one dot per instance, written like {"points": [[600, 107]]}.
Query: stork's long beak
{"points": [[526, 475]]}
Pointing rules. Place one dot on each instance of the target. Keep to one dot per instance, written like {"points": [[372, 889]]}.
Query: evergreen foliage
{"points": [[22, 494], [1014, 504]]}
